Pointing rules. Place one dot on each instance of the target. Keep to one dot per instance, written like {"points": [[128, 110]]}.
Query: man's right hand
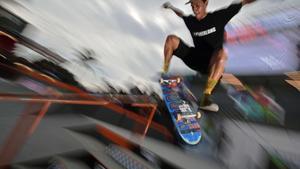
{"points": [[167, 5]]}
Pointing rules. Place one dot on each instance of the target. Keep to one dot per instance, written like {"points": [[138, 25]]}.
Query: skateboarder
{"points": [[208, 56]]}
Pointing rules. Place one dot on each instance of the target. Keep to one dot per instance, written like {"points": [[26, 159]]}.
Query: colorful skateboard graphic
{"points": [[183, 109]]}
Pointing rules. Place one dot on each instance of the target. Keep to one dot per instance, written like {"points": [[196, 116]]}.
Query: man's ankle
{"points": [[166, 67], [205, 99]]}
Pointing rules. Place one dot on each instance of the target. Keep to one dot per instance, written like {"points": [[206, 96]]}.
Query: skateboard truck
{"points": [[180, 116], [170, 81]]}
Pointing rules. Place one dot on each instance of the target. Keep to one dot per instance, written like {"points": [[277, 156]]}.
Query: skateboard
{"points": [[182, 106]]}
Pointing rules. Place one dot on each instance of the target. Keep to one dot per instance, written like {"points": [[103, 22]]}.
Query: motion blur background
{"points": [[127, 37], [114, 50]]}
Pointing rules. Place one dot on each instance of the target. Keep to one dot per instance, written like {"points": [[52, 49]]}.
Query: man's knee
{"points": [[173, 41], [219, 57]]}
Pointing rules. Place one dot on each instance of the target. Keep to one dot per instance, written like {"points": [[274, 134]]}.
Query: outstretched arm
{"points": [[178, 12], [244, 2]]}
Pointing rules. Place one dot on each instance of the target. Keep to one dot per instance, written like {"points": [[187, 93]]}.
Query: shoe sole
{"points": [[212, 108]]}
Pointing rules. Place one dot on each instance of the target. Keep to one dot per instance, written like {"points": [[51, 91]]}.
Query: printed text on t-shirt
{"points": [[206, 32]]}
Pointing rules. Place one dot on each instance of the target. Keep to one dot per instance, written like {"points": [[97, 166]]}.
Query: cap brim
{"points": [[188, 2]]}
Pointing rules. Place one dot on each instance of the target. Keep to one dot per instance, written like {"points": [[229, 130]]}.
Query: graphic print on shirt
{"points": [[206, 32]]}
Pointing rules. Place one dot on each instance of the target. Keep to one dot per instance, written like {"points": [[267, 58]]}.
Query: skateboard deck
{"points": [[182, 106]]}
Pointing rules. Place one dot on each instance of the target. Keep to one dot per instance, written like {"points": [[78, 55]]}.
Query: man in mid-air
{"points": [[208, 55]]}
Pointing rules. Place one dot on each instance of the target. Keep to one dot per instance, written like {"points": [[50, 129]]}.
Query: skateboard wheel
{"points": [[198, 115], [179, 117], [161, 81]]}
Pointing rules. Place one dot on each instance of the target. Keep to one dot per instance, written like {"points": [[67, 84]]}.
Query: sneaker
{"points": [[208, 105]]}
